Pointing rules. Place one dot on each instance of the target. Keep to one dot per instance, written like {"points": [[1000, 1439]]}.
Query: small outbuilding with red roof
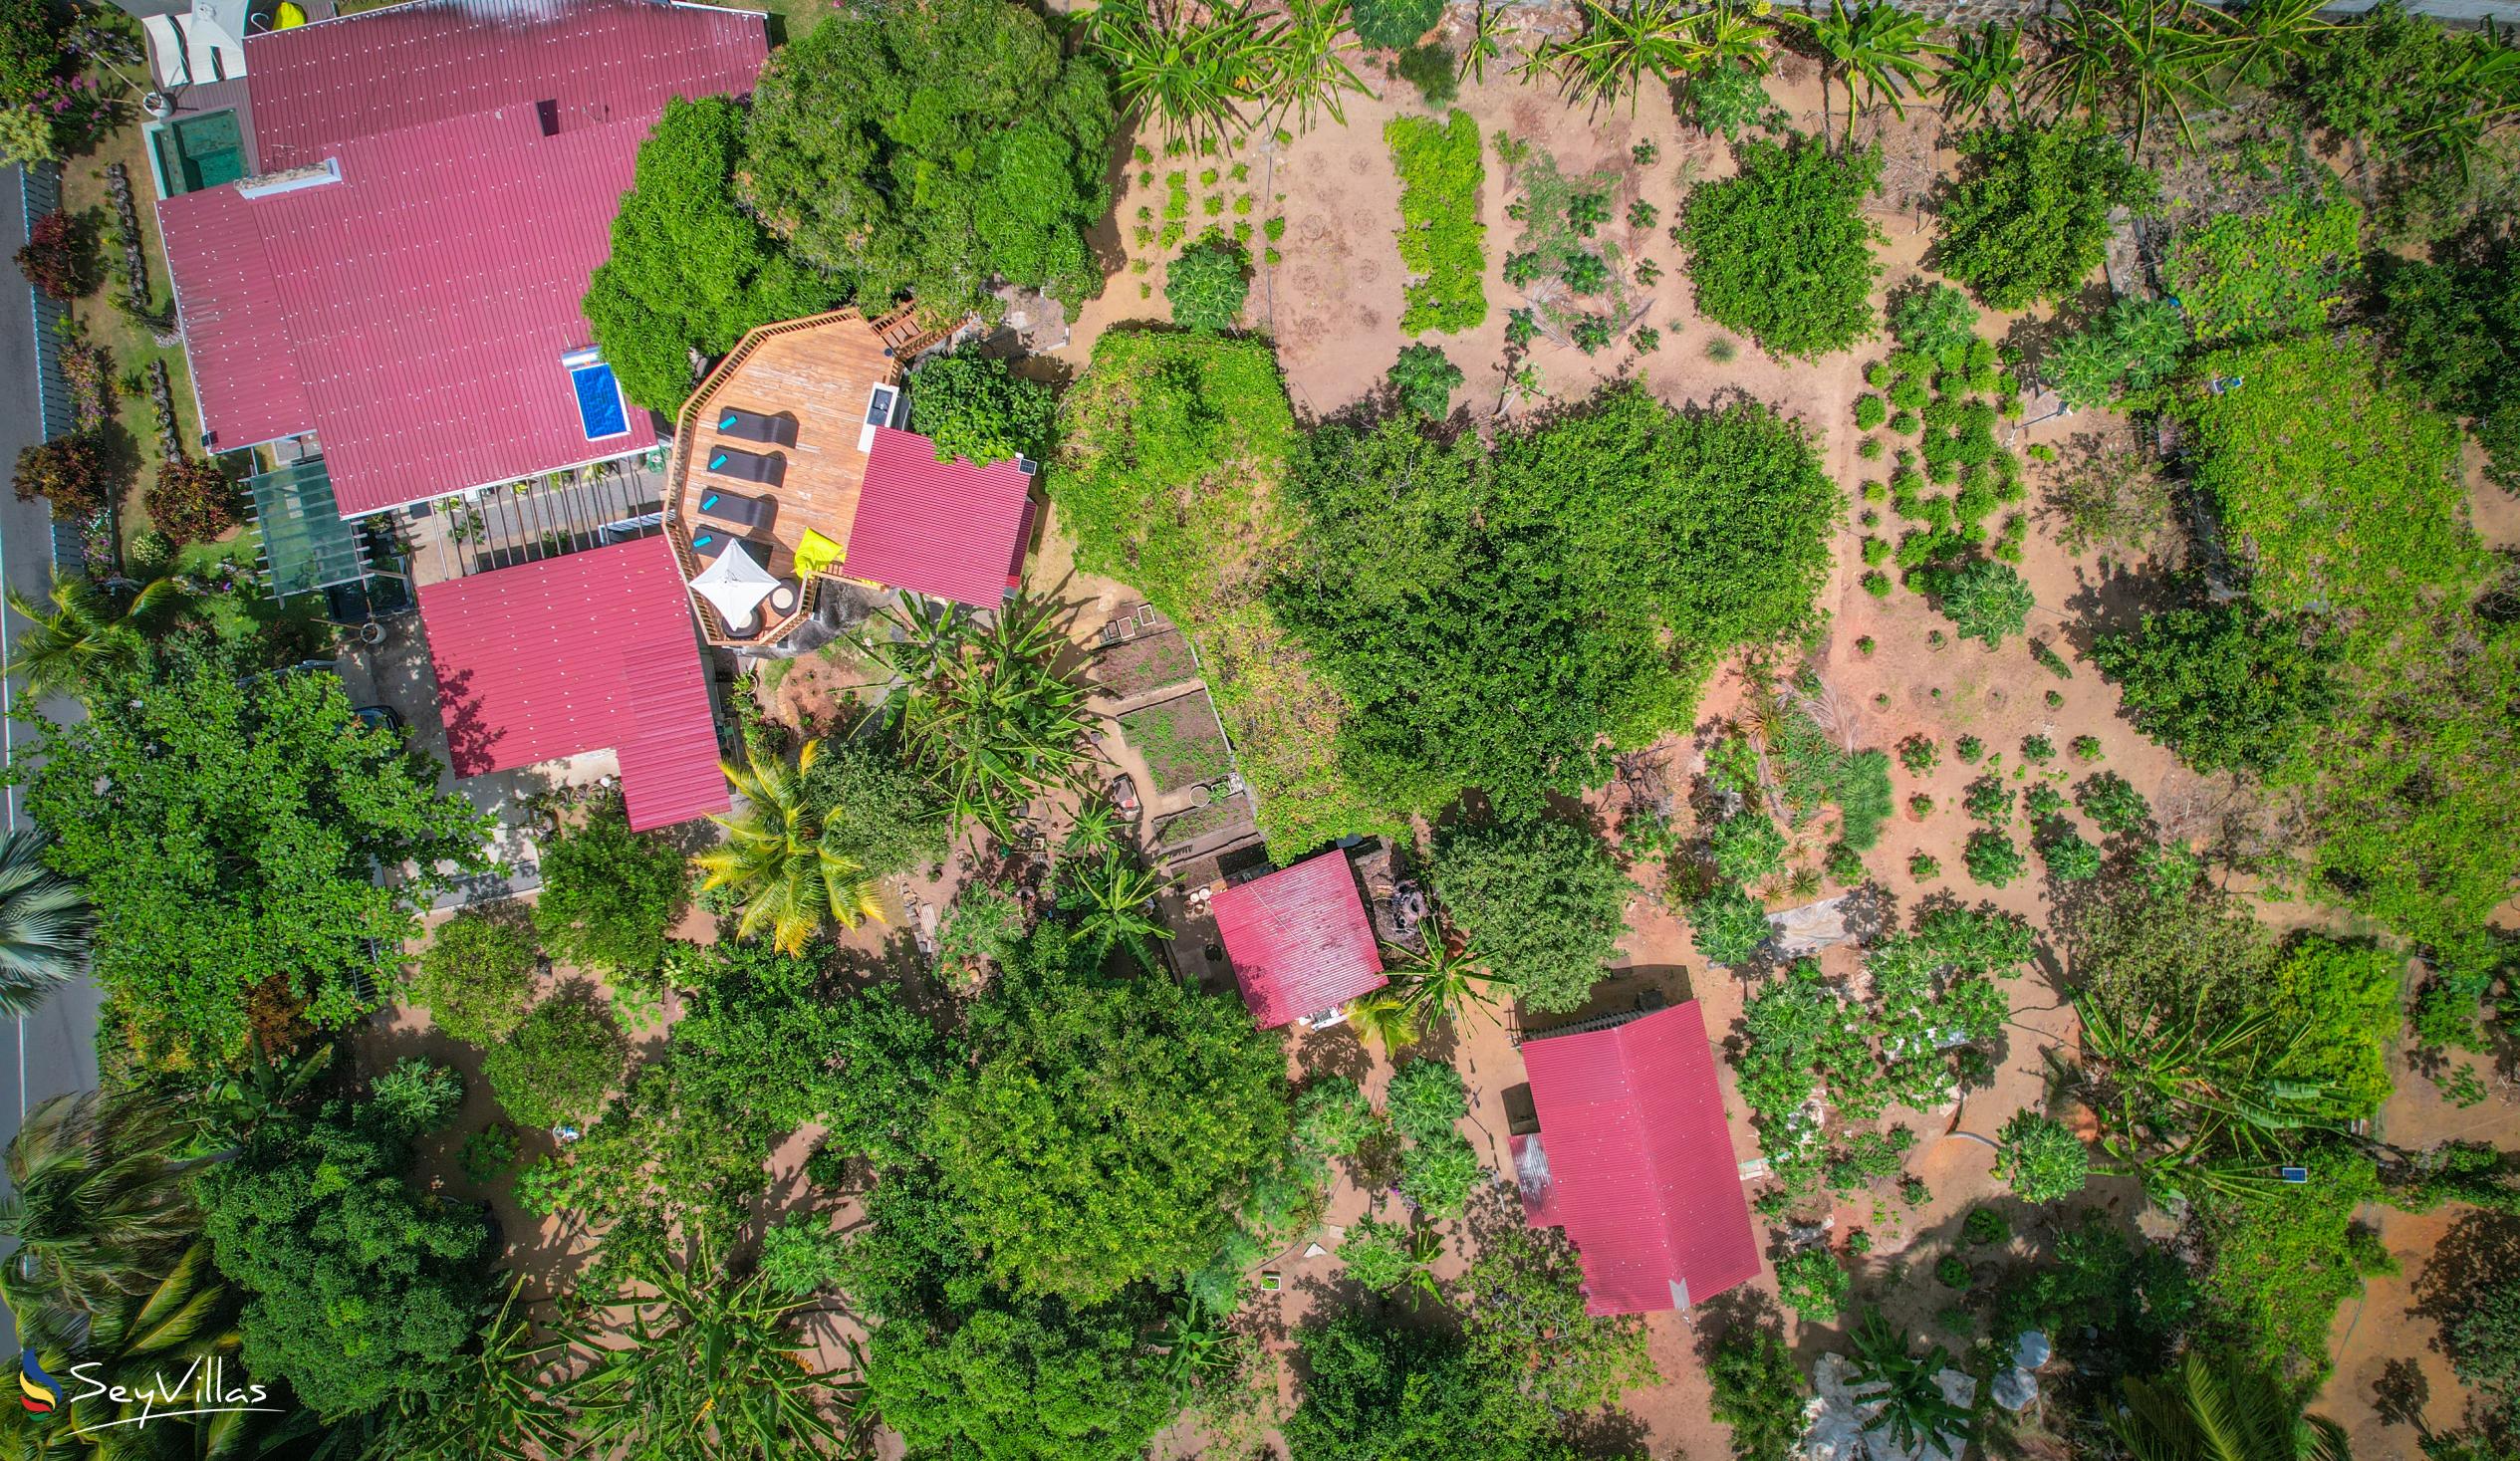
{"points": [[587, 651], [1299, 941], [1635, 1161]]}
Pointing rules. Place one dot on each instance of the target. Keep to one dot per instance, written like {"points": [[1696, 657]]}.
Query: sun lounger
{"points": [[747, 466], [754, 426], [708, 543], [739, 508]]}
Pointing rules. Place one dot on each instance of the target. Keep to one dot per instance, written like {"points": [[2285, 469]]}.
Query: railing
{"points": [[686, 433], [40, 192]]}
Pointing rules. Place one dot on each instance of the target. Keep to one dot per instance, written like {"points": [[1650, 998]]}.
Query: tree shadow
{"points": [[2481, 1252]]}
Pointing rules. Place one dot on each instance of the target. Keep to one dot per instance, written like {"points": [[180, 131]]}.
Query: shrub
{"points": [[1376, 1254], [1923, 867], [488, 1154], [2084, 748], [2247, 276], [1728, 99], [1745, 847], [1426, 1098], [2042, 801], [1334, 1117], [802, 1255], [1442, 243], [1869, 413], [1438, 1173], [2071, 857], [1969, 749], [1430, 69], [1904, 424], [1989, 801], [1877, 584], [477, 976], [59, 256], [1920, 805], [2041, 1158], [2112, 804], [1727, 925], [1992, 858], [2340, 1006], [1545, 901], [1936, 321], [1919, 755], [610, 893], [2037, 750], [2135, 344], [1207, 284], [1424, 380], [1984, 1225], [970, 405], [1845, 865], [193, 501], [1952, 1272], [1986, 601], [2028, 217], [415, 1095], [1812, 1283], [1392, 24], [1585, 272], [1782, 252], [555, 1068], [70, 472], [1758, 1391]]}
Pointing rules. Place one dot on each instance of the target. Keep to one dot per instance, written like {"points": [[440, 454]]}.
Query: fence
{"points": [[40, 191]]}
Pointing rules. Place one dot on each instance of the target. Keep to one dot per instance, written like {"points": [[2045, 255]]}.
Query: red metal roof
{"points": [[415, 313], [595, 62], [948, 530], [1638, 1167], [577, 653], [1299, 940]]}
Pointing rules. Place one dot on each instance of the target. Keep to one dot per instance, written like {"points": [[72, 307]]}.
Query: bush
{"points": [[970, 405], [193, 501], [2342, 1007], [1438, 1173], [2037, 750], [1424, 380], [1984, 1225], [488, 1154], [1923, 867], [1919, 755], [2041, 1158], [1727, 925], [1392, 24], [1430, 69], [1782, 252], [1745, 847], [1585, 272], [1989, 801], [1952, 1272], [2248, 277], [1728, 99], [1208, 283], [1758, 1391], [1442, 243], [477, 976], [2135, 344], [1813, 1284], [1936, 321], [2222, 686], [2456, 330], [2071, 857], [1334, 1117], [1543, 900], [1376, 1254], [1992, 858], [59, 256], [1869, 413], [802, 1255], [1426, 1098], [415, 1095], [71, 473], [1985, 600], [610, 893], [2028, 218], [875, 811], [2112, 804], [555, 1068]]}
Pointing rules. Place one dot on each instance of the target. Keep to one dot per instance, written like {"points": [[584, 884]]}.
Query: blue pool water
{"points": [[599, 408]]}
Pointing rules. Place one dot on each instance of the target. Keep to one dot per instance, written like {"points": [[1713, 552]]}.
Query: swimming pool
{"points": [[599, 408]]}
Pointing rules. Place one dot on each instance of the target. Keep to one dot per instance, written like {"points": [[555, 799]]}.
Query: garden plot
{"points": [[1147, 663], [1182, 741]]}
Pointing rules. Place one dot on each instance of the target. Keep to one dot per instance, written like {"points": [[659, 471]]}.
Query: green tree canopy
{"points": [[1374, 1391], [1042, 1382], [970, 405], [1782, 251], [359, 1288], [2456, 330], [1543, 902], [556, 1068], [1104, 1126], [229, 826], [610, 893], [2225, 687], [2028, 218], [689, 270], [931, 149]]}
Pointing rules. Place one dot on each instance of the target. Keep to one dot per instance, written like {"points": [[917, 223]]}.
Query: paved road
{"points": [[53, 1050]]}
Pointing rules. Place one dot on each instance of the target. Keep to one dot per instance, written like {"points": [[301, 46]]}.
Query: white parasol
{"points": [[735, 583]]}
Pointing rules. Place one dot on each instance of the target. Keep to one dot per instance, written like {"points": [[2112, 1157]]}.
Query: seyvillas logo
{"points": [[39, 1392]]}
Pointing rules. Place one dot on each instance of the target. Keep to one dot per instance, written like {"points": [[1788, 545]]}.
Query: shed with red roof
{"points": [[1299, 940], [403, 279], [586, 651], [948, 530], [1635, 1161]]}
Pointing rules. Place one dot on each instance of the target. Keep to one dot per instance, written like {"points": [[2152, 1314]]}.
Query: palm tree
{"points": [[711, 1368], [1301, 65], [501, 1405], [2221, 1411], [1624, 44], [1987, 64], [97, 1204], [985, 706], [1188, 73], [1913, 1408], [45, 922], [79, 636], [781, 861], [2138, 53], [1119, 896], [1877, 44], [1385, 1019], [1446, 981]]}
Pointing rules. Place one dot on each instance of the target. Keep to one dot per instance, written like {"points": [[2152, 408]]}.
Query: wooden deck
{"points": [[819, 372]]}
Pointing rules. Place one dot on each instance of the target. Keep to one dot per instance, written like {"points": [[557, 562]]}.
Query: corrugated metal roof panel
{"points": [[1640, 1170], [1299, 940], [948, 530], [576, 653], [236, 331], [595, 62]]}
